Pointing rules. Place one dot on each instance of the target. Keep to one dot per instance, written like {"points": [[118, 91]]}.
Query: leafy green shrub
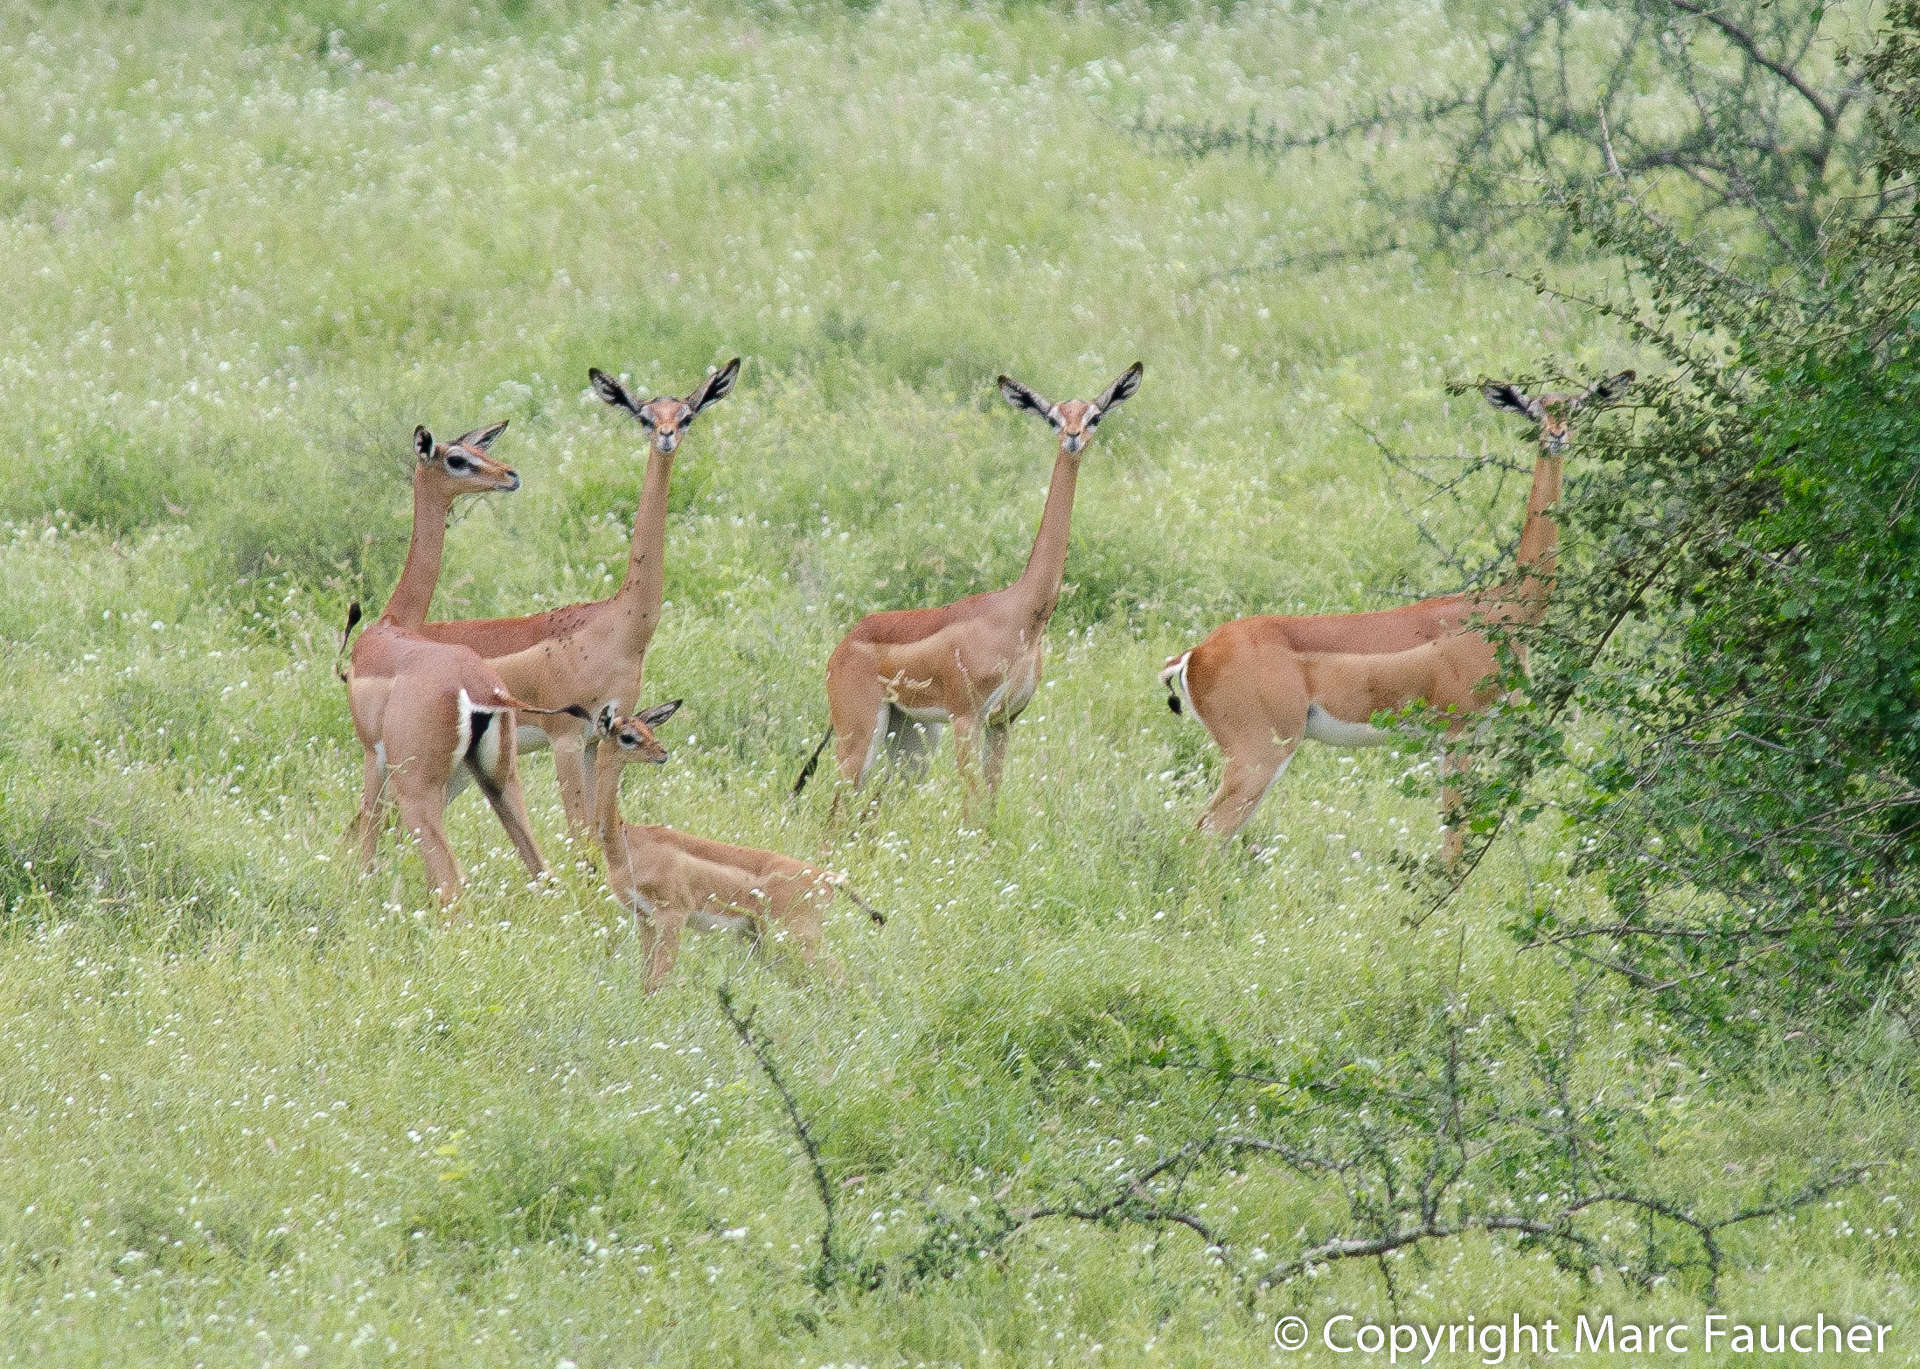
{"points": [[1743, 613], [101, 475], [534, 1186]]}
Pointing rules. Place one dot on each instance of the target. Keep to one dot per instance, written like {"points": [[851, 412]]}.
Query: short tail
{"points": [[806, 773], [346, 634], [571, 710], [839, 882], [1173, 678]]}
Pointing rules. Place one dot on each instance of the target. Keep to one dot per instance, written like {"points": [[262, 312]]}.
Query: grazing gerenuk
{"points": [[1259, 692], [668, 878], [586, 656], [426, 710], [899, 675]]}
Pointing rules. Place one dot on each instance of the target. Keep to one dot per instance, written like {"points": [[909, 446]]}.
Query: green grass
{"points": [[255, 1111]]}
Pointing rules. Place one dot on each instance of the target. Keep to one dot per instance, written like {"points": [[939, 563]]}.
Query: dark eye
{"points": [[459, 465], [1093, 419]]}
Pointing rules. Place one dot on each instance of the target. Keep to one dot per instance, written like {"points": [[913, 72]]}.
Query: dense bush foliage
{"points": [[1745, 617]]}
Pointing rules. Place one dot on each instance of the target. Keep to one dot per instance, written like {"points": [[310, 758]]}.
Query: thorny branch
{"points": [[1444, 1142], [1773, 135], [828, 1268]]}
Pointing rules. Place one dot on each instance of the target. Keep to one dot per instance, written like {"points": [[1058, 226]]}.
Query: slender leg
{"points": [[570, 772], [420, 811], [373, 809], [642, 927], [1451, 843], [996, 757], [496, 769], [664, 946], [966, 732], [1243, 783], [510, 806]]}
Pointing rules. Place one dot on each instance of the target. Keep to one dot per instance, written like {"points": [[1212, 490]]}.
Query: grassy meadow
{"points": [[254, 1110]]}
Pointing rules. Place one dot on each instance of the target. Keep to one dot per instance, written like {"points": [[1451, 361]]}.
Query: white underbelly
{"points": [[701, 920], [531, 737], [921, 715], [719, 922], [1322, 726]]}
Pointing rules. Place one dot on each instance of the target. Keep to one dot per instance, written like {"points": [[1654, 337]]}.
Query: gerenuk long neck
{"points": [[1039, 583], [1538, 557], [414, 593], [646, 569]]}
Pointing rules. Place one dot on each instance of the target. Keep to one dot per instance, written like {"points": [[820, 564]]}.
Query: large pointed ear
{"points": [[611, 391], [715, 388], [603, 724], [422, 442], [659, 713], [1122, 388], [1511, 398], [481, 438], [1021, 397], [1606, 391]]}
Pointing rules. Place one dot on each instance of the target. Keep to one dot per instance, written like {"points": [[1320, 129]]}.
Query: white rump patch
{"points": [[462, 727], [1322, 726], [1174, 680], [488, 757]]}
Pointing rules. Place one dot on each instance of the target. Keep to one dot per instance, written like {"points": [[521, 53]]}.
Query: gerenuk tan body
{"points": [[426, 711], [1261, 685], [589, 655], [670, 879], [899, 675]]}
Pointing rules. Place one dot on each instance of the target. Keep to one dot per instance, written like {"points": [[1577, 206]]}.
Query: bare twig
{"points": [[829, 1267]]}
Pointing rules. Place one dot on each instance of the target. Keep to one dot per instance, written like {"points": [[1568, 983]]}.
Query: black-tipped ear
{"points": [[1514, 400], [1021, 397], [659, 713], [603, 725], [715, 387], [481, 438], [611, 391], [1606, 391], [1121, 389], [422, 443]]}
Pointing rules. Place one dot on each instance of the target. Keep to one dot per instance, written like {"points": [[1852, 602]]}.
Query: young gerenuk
{"points": [[668, 878]]}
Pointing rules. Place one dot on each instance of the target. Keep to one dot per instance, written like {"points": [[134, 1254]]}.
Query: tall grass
{"points": [[256, 1111]]}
